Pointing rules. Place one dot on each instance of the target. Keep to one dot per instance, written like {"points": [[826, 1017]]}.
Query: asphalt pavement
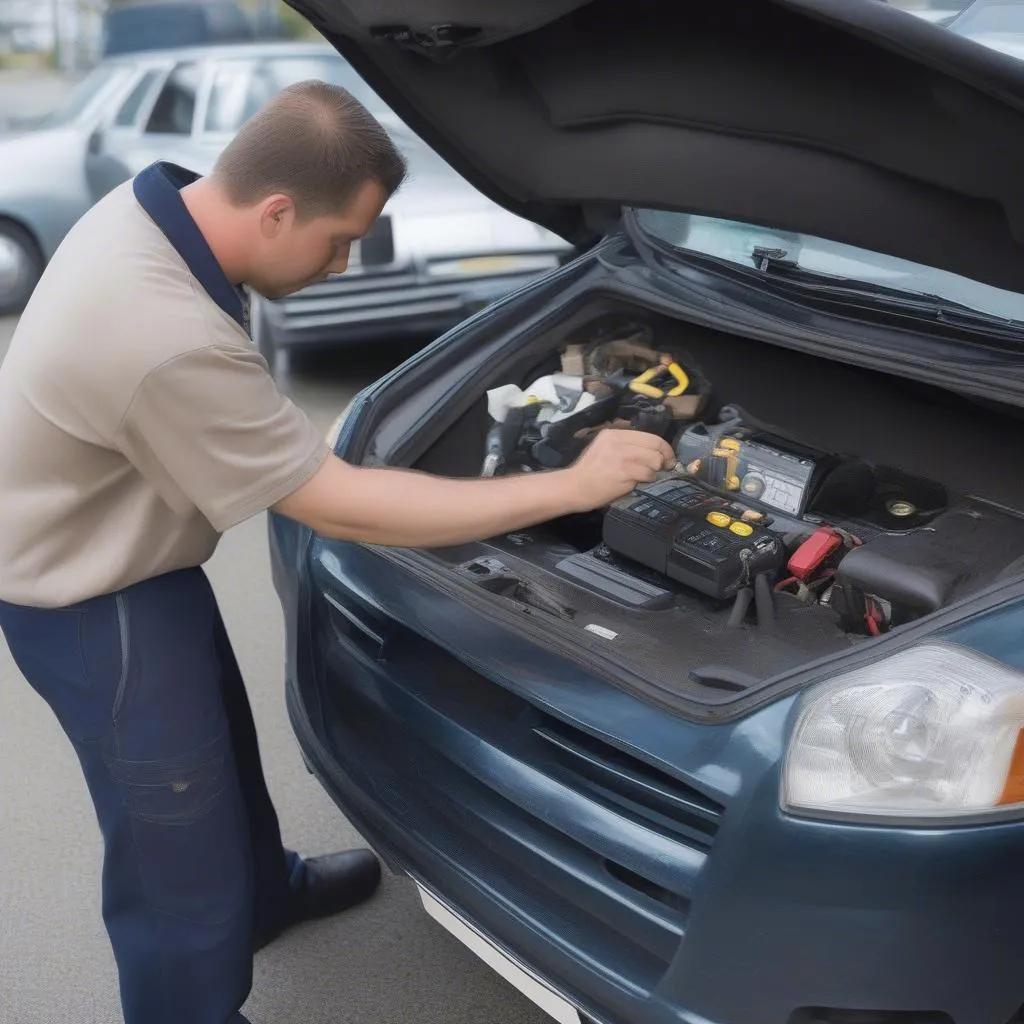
{"points": [[383, 963]]}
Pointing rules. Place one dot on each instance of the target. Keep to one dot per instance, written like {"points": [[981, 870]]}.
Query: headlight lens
{"points": [[932, 732]]}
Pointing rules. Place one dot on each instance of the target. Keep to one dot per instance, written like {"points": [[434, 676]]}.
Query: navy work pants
{"points": [[146, 686]]}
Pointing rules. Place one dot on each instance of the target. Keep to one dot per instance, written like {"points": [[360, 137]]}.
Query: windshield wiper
{"points": [[786, 280], [774, 263], [764, 258]]}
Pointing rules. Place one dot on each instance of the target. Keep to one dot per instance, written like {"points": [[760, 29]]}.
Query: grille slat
{"points": [[533, 825], [542, 875], [646, 793]]}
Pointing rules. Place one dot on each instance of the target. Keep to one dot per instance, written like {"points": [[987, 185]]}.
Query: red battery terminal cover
{"points": [[810, 556]]}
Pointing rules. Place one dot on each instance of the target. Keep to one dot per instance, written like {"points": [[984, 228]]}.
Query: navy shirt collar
{"points": [[158, 191]]}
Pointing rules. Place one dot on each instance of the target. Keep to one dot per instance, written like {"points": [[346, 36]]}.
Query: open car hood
{"points": [[847, 119]]}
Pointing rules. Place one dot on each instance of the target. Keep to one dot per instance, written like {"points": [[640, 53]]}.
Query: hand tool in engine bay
{"points": [[573, 407], [563, 439], [559, 444], [509, 441], [666, 368]]}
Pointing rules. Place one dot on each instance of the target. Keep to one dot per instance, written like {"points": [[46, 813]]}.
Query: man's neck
{"points": [[218, 222]]}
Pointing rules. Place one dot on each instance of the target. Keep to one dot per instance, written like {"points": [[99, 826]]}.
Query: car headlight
{"points": [[933, 732]]}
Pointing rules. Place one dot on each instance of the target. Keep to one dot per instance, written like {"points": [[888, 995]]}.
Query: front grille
{"points": [[646, 794], [620, 781], [377, 290], [362, 296], [539, 873], [582, 855]]}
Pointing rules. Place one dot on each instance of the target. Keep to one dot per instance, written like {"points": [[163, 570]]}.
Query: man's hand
{"points": [[615, 462], [408, 509]]}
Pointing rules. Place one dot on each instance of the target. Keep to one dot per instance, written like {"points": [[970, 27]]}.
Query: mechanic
{"points": [[141, 423]]}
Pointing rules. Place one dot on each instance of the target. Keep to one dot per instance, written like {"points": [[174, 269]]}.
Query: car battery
{"points": [[693, 536]]}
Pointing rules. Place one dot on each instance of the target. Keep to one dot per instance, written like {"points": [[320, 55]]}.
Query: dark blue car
{"points": [[746, 747]]}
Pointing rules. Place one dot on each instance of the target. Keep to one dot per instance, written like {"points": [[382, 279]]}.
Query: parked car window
{"points": [[82, 96], [229, 96], [176, 104], [241, 88], [129, 111], [281, 72]]}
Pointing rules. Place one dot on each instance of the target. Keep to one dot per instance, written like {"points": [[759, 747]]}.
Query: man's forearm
{"points": [[400, 508], [409, 509]]}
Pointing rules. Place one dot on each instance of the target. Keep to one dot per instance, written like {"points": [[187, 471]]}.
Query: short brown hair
{"points": [[313, 142]]}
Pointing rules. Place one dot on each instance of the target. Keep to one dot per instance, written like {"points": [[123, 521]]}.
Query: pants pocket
{"points": [[190, 833]]}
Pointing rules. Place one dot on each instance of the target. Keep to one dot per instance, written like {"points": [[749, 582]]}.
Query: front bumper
{"points": [[613, 874], [518, 975], [368, 306]]}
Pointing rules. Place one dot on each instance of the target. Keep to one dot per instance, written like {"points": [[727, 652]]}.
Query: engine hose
{"points": [[765, 603], [740, 607]]}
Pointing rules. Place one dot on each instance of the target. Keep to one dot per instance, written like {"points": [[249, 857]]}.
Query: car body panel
{"points": [[629, 916], [630, 853], [552, 1003], [45, 186], [56, 190], [635, 859]]}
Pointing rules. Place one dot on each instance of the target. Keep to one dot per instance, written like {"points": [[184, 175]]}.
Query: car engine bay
{"points": [[762, 549]]}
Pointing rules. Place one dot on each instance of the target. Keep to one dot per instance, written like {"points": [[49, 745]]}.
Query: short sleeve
{"points": [[210, 429]]}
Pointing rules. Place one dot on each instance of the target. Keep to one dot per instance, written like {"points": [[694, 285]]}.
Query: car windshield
{"points": [[81, 97], [998, 24], [986, 18], [747, 245]]}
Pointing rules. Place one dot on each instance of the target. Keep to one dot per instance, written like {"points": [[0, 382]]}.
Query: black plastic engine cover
{"points": [[917, 573]]}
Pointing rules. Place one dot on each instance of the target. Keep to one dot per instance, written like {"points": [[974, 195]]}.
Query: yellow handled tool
{"points": [[682, 380], [642, 384]]}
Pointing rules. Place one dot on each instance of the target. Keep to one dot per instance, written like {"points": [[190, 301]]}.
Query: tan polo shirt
{"points": [[138, 420]]}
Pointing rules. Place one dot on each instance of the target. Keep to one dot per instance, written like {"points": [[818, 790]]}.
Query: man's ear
{"points": [[277, 212]]}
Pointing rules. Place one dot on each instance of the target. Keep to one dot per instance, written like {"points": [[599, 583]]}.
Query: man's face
{"points": [[294, 253]]}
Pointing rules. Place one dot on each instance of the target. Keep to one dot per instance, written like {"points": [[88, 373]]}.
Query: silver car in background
{"points": [[439, 251]]}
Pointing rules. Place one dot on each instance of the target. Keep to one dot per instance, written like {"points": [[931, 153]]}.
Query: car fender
{"points": [[44, 187]]}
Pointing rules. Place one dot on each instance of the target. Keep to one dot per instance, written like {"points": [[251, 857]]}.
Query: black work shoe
{"points": [[328, 885]]}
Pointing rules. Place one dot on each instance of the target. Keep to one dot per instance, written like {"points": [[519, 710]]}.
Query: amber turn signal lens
{"points": [[1013, 790]]}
